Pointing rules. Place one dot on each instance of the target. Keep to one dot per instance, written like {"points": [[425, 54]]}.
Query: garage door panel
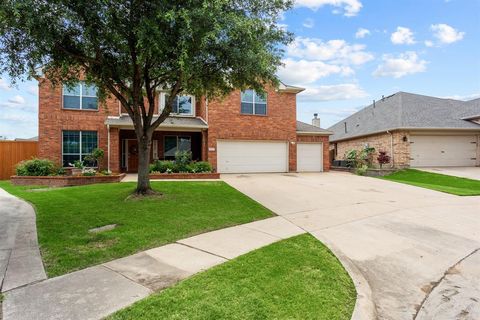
{"points": [[309, 157], [431, 151], [251, 156]]}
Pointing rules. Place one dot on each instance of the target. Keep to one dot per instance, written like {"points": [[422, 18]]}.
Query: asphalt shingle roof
{"points": [[408, 111], [305, 127], [190, 122]]}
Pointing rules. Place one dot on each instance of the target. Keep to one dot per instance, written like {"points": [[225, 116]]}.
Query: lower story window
{"points": [[77, 145], [176, 143]]}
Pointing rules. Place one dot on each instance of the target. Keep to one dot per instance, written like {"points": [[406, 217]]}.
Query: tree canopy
{"points": [[131, 49]]}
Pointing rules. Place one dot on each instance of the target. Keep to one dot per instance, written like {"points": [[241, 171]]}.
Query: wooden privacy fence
{"points": [[12, 152]]}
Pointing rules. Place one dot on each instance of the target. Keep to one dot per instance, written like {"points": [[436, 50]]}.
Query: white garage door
{"points": [[252, 156], [442, 151], [309, 157]]}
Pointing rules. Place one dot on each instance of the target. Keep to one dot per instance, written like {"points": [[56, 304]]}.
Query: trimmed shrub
{"points": [[162, 166], [36, 167], [183, 159], [202, 166]]}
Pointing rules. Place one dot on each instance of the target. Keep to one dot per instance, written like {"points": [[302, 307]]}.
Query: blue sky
{"points": [[346, 53]]}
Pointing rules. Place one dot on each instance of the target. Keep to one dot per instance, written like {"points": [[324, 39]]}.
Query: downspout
{"points": [[391, 149], [108, 147], [206, 109]]}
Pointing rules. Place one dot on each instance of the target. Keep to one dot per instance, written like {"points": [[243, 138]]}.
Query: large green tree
{"points": [[131, 49]]}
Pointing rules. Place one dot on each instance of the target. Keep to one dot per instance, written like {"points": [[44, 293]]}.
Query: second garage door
{"points": [[252, 156], [443, 151], [309, 157]]}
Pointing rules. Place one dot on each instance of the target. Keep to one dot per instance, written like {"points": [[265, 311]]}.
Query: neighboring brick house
{"points": [[415, 130], [240, 133]]}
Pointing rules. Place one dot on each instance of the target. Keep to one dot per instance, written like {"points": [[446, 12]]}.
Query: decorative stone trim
{"points": [[186, 176], [64, 181]]}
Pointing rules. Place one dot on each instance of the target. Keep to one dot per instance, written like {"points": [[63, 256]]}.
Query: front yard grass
{"points": [[439, 182], [297, 278], [65, 216]]}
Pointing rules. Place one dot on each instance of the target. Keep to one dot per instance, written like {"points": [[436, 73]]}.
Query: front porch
{"points": [[164, 146], [173, 135]]}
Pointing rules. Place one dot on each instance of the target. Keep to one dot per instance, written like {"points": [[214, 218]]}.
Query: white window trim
{"points": [[81, 84], [80, 153], [254, 104], [162, 105]]}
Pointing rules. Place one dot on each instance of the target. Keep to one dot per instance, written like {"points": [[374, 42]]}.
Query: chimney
{"points": [[316, 120]]}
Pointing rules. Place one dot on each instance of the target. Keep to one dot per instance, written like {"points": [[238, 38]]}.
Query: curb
{"points": [[364, 306]]}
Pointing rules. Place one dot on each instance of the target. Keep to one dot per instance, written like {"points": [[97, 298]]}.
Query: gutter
{"points": [[391, 149], [406, 128], [314, 133]]}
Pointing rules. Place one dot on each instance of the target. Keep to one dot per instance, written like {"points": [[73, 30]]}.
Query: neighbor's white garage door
{"points": [[438, 151], [251, 156], [309, 157]]}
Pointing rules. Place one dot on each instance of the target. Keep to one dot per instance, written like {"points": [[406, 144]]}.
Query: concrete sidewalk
{"points": [[96, 292], [463, 172], [20, 261]]}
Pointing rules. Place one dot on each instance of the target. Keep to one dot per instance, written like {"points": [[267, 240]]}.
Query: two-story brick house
{"points": [[244, 132]]}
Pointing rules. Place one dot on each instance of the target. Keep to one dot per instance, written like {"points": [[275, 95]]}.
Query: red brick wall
{"points": [[324, 140], [226, 122], [52, 119], [224, 118]]}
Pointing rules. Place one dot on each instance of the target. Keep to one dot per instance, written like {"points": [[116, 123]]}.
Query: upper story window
{"points": [[253, 102], [80, 97], [183, 105]]}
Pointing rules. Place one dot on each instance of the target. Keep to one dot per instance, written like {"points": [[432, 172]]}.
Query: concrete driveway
{"points": [[404, 240], [464, 172]]}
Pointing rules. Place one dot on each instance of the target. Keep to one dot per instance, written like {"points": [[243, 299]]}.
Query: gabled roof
{"points": [[305, 128], [287, 88], [408, 111]]}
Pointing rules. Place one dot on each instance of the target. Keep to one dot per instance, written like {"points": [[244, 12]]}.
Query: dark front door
{"points": [[132, 155]]}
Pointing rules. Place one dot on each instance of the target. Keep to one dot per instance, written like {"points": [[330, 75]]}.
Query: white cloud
{"points": [[17, 100], [400, 66], [429, 43], [33, 90], [300, 72], [17, 103], [402, 36], [4, 85], [344, 91], [350, 7], [282, 26], [467, 97], [335, 51], [309, 23], [362, 33], [446, 34], [16, 117]]}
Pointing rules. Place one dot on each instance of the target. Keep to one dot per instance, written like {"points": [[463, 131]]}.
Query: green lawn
{"points": [[65, 215], [297, 278], [435, 181]]}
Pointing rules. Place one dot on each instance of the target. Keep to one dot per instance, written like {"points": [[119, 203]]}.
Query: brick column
{"points": [[115, 150], [292, 155], [204, 156]]}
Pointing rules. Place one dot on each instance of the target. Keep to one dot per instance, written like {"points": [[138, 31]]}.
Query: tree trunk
{"points": [[143, 184]]}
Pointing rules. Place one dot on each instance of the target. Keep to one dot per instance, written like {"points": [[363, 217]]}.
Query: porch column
{"points": [[204, 145]]}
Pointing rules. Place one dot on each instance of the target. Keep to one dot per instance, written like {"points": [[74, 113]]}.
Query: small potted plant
{"points": [[96, 157], [78, 167]]}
